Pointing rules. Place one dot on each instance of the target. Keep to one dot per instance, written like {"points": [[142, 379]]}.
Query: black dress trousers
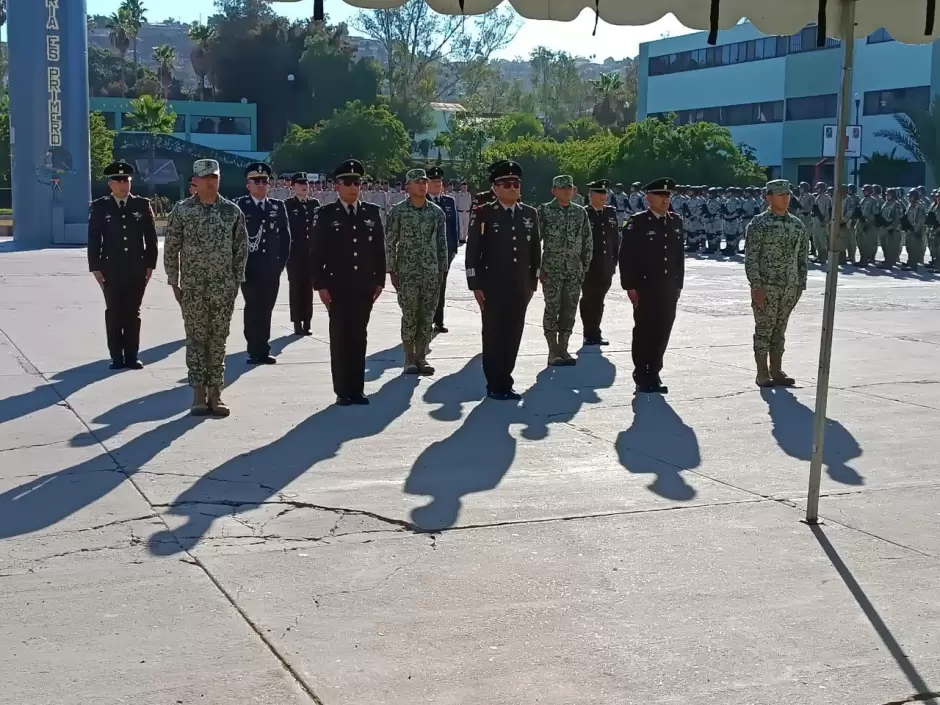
{"points": [[260, 296], [301, 298], [350, 310], [593, 293], [439, 314], [123, 294], [503, 325], [653, 319]]}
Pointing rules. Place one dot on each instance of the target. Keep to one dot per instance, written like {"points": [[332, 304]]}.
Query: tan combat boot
{"points": [[566, 357], [777, 374], [421, 352], [763, 375], [199, 406], [554, 359], [216, 405], [411, 367]]}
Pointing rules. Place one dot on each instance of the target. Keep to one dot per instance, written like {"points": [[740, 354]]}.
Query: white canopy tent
{"points": [[908, 21]]}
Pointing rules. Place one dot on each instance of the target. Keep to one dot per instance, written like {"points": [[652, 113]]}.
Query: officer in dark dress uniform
{"points": [[451, 230], [652, 270], [603, 219], [503, 257], [122, 254], [268, 251], [300, 211], [348, 264]]}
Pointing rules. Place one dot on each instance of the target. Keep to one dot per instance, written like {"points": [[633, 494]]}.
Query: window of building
{"points": [[110, 119], [729, 54], [879, 36], [730, 115], [180, 125], [816, 107], [773, 172], [216, 125], [896, 101]]}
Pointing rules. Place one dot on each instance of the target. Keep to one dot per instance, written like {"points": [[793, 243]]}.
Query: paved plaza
{"points": [[588, 547]]}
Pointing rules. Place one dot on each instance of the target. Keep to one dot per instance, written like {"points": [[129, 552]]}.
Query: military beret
{"points": [[435, 172], [416, 175], [599, 186], [205, 167], [777, 187], [118, 170], [563, 181], [258, 170], [662, 186], [505, 169], [349, 168], [299, 177]]}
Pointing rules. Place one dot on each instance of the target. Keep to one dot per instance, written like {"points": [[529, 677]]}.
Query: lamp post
{"points": [[858, 103], [290, 95]]}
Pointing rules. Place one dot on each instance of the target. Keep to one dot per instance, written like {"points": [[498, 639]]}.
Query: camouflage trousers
{"points": [[847, 243], [915, 246], [821, 238], [933, 241], [891, 245], [418, 297], [207, 318], [867, 239], [562, 292], [770, 322]]}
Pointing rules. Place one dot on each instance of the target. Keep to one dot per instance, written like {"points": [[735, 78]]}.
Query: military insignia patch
{"points": [[138, 216], [527, 222], [369, 223]]}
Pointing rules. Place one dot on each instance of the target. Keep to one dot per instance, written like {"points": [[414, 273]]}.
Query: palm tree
{"points": [[611, 107], [137, 16], [165, 57], [118, 34], [200, 57], [150, 115], [918, 134]]}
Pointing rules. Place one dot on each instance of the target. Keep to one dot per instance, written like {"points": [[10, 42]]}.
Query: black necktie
{"points": [[121, 205], [352, 211]]}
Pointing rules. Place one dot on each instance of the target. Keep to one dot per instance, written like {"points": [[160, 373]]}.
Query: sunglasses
{"points": [[259, 181], [509, 183], [120, 179], [351, 181]]}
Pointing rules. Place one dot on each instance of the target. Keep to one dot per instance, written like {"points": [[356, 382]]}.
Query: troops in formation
{"points": [[339, 238]]}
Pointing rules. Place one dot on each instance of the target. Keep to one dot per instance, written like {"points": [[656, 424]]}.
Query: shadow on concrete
{"points": [[658, 432], [378, 363], [922, 692], [793, 431], [477, 456], [251, 479], [47, 500], [451, 392], [62, 385]]}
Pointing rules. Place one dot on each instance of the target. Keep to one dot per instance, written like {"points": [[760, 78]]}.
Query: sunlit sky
{"points": [[574, 38]]}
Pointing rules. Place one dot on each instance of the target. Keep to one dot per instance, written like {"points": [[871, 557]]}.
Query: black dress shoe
{"points": [[512, 395], [440, 329], [266, 360], [298, 329], [343, 401], [497, 396], [360, 400], [134, 365], [116, 365], [591, 341]]}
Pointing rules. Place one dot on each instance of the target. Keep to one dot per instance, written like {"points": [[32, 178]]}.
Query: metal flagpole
{"points": [[832, 275]]}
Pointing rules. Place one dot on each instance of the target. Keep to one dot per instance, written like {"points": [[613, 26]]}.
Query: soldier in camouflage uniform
{"points": [[205, 252], [933, 230], [914, 223], [866, 229], [776, 251], [806, 200], [568, 247], [418, 263], [891, 234]]}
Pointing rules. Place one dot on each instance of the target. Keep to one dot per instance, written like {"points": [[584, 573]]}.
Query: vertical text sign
{"points": [[54, 73]]}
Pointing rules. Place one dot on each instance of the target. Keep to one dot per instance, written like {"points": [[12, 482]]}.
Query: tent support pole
{"points": [[832, 274]]}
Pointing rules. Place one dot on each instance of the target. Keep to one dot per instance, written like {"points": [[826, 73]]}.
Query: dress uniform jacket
{"points": [[452, 226], [122, 245], [606, 244], [269, 238], [300, 216]]}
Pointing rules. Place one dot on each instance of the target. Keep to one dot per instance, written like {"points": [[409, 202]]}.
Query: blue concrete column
{"points": [[48, 55]]}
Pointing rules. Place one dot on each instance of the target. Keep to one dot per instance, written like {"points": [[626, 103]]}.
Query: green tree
{"points": [[136, 15], [5, 156], [203, 37], [150, 115], [370, 133], [165, 57], [559, 92], [517, 126], [918, 134], [881, 168], [540, 160], [466, 140], [613, 108], [701, 152], [101, 145], [580, 129], [119, 29]]}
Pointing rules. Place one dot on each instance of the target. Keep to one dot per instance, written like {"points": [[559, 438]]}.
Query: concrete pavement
{"points": [[587, 547]]}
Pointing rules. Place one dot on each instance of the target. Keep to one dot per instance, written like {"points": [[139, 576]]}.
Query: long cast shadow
{"points": [[451, 392], [62, 385], [658, 431], [247, 481], [922, 692], [44, 501], [477, 456], [793, 431]]}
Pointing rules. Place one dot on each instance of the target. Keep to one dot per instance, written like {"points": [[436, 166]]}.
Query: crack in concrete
{"points": [[27, 446], [916, 698]]}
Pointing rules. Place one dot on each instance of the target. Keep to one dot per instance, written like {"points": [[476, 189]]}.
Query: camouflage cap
{"points": [[205, 167], [777, 187], [415, 175], [563, 181]]}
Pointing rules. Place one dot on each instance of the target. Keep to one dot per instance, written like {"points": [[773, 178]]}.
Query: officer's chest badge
{"points": [[336, 224], [108, 217], [138, 216], [274, 208], [369, 223], [527, 222]]}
